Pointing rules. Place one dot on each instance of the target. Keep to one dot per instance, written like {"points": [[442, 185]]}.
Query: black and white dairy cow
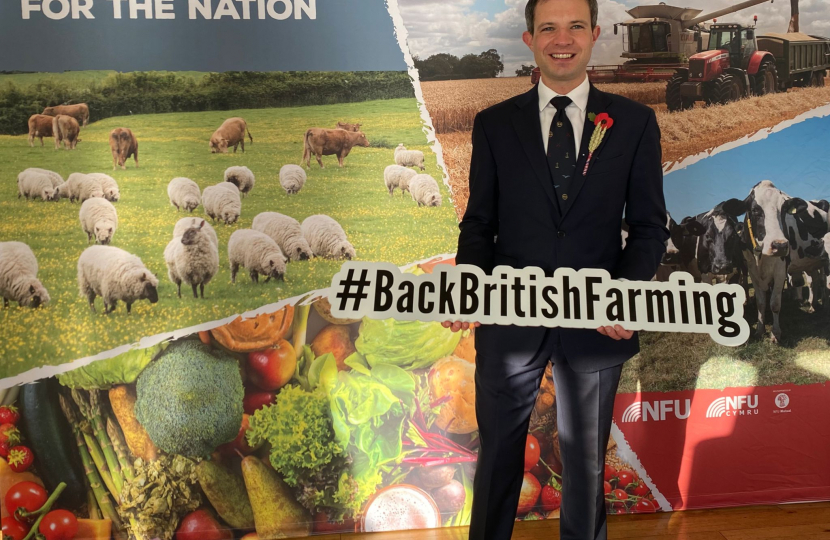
{"points": [[808, 262], [767, 247], [680, 248], [716, 245]]}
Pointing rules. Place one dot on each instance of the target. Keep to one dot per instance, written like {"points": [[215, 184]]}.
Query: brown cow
{"points": [[79, 112], [65, 129], [40, 126], [230, 133], [123, 145], [348, 127], [327, 142]]}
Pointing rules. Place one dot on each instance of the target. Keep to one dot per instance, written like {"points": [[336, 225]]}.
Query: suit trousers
{"points": [[507, 383]]}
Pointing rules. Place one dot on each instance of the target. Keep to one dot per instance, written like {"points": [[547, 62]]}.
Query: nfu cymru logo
{"points": [[656, 411], [733, 406]]}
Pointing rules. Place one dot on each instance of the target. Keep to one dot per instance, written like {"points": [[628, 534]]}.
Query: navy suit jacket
{"points": [[513, 219]]}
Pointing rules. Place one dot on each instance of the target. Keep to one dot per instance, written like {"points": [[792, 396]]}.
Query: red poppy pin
{"points": [[602, 123]]}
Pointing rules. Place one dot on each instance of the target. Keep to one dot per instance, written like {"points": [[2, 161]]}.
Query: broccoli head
{"points": [[190, 399]]}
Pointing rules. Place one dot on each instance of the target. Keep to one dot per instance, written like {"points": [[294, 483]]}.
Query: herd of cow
{"points": [[781, 239]]}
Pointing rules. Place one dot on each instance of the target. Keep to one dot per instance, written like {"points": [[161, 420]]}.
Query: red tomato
{"points": [[59, 525], [607, 487], [620, 494], [626, 477], [644, 506], [621, 511], [200, 525], [26, 495], [529, 494], [532, 452], [610, 472], [551, 498], [272, 368], [641, 490], [14, 529]]}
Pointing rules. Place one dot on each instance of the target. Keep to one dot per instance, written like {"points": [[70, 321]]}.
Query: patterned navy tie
{"points": [[561, 151]]}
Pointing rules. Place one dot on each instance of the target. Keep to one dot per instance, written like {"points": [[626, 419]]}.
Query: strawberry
{"points": [[20, 458], [9, 434], [4, 449], [9, 414], [551, 498]]}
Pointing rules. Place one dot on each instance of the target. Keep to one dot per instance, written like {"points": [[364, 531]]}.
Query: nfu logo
{"points": [[656, 410], [733, 406]]}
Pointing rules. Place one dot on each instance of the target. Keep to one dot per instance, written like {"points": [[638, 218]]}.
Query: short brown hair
{"points": [[530, 13]]}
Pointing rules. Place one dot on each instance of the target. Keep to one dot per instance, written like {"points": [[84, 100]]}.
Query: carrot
{"points": [[122, 399]]}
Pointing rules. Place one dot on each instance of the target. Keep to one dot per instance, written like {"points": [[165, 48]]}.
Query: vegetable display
{"points": [[288, 424]]}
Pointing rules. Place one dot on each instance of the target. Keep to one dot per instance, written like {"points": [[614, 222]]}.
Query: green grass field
{"points": [[381, 228], [77, 79]]}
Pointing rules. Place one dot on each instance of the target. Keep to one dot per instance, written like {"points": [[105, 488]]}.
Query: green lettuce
{"points": [[406, 344], [121, 369]]}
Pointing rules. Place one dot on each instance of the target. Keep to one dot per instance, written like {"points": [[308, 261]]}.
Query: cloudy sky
{"points": [[472, 26]]}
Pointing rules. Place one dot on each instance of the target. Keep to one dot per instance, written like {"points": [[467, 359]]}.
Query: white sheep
{"points": [[222, 202], [18, 276], [241, 177], [327, 238], [184, 193], [193, 258], [80, 187], [99, 220], [395, 176], [185, 223], [424, 190], [108, 185], [34, 184], [114, 274], [292, 178], [54, 177], [286, 232], [257, 252], [409, 158]]}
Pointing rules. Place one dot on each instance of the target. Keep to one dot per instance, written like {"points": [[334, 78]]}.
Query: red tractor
{"points": [[731, 68]]}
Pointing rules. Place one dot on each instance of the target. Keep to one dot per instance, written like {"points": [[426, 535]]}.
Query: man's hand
{"points": [[456, 326], [615, 332]]}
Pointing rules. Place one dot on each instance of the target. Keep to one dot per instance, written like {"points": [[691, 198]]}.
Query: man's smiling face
{"points": [[562, 41]]}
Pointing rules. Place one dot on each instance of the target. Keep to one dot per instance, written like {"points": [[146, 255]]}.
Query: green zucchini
{"points": [[47, 432]]}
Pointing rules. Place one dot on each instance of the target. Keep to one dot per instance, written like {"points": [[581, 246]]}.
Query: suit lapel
{"points": [[529, 130], [597, 103]]}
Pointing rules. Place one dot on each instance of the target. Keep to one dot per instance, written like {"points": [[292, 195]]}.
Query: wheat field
{"points": [[452, 106]]}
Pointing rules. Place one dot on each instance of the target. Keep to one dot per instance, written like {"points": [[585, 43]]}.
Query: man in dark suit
{"points": [[531, 205]]}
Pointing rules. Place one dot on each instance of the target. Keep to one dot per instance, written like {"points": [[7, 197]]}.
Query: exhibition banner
{"points": [[183, 181]]}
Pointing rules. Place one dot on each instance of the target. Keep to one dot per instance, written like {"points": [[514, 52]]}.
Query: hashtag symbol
{"points": [[346, 286]]}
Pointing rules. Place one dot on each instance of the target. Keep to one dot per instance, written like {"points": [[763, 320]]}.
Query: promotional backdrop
{"points": [[165, 341]]}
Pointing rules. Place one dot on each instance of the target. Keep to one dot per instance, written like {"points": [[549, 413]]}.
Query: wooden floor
{"points": [[807, 521]]}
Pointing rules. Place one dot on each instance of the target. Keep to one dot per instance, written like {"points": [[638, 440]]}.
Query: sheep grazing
{"points": [[18, 276], [184, 193], [409, 158], [34, 184], [114, 274], [108, 185], [241, 177], [395, 176], [327, 238], [186, 223], [99, 220], [424, 190], [292, 178], [80, 187], [257, 252], [222, 202], [286, 232], [54, 177], [193, 257]]}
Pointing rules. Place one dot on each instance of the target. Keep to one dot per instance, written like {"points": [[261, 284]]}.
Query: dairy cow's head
{"points": [[719, 247], [680, 247], [764, 230]]}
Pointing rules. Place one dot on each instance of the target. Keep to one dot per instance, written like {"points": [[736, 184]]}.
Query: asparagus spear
{"points": [[95, 483], [101, 464], [91, 410], [121, 449]]}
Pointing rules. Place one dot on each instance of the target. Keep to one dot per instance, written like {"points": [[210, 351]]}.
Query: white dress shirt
{"points": [[576, 110]]}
